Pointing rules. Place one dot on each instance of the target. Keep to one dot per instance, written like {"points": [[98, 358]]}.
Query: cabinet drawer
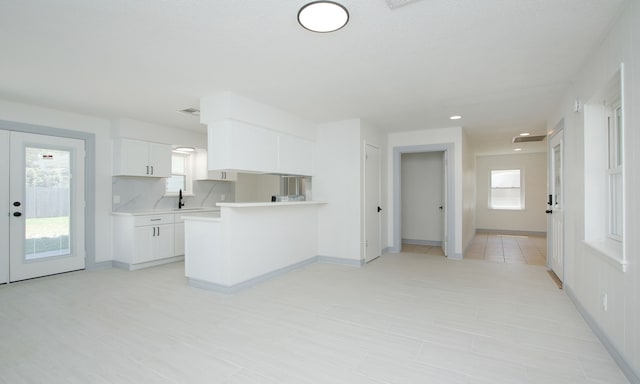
{"points": [[153, 220]]}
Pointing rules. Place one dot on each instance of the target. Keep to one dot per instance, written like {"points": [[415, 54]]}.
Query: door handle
{"points": [[16, 203], [440, 207], [158, 231], [549, 211], [152, 169], [17, 214]]}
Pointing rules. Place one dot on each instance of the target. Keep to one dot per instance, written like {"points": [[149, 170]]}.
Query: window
{"points": [[506, 190], [180, 174], [614, 171]]}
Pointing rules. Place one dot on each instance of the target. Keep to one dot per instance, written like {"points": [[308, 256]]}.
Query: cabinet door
{"points": [[295, 155], [131, 158], [242, 147], [144, 244], [163, 242], [160, 160]]}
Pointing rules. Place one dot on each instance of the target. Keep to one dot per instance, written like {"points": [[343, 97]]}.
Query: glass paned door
{"points": [[46, 219], [47, 203]]}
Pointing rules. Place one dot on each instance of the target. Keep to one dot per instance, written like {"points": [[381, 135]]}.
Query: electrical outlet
{"points": [[605, 302], [116, 199]]}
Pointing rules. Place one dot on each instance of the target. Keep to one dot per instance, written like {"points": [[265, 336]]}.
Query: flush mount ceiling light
{"points": [[455, 117], [184, 149], [525, 134], [323, 16]]}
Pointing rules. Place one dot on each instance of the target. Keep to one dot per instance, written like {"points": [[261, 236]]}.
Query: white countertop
{"points": [[184, 211], [268, 204]]}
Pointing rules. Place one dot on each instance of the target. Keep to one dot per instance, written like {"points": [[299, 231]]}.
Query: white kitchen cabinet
{"points": [[153, 243], [201, 171], [242, 147], [238, 146], [141, 158], [144, 240], [295, 155]]}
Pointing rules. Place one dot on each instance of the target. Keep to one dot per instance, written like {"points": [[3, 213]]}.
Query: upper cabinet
{"points": [[201, 171], [245, 147], [141, 158]]}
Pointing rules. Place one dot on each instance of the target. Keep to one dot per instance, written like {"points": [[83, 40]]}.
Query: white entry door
{"points": [[372, 209], [44, 229], [555, 209]]}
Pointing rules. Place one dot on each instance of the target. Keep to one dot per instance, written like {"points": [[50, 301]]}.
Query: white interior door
{"points": [[46, 205], [555, 210], [443, 207], [4, 207], [372, 209]]}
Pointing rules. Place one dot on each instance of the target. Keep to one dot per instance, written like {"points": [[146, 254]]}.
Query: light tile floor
{"points": [[508, 249], [403, 318]]}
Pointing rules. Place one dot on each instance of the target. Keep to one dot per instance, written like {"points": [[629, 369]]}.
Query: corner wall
{"points": [[589, 274]]}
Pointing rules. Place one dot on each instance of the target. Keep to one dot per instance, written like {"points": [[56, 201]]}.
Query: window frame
{"points": [[615, 179], [187, 174], [490, 205]]}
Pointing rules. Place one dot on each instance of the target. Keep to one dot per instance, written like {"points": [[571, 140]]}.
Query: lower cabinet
{"points": [[153, 243], [144, 240], [147, 240]]}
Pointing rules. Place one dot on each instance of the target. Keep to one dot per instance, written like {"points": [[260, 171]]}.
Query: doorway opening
{"points": [[445, 215]]}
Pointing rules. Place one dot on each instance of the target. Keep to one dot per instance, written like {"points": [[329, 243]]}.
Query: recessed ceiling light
{"points": [[455, 117], [517, 149], [323, 16], [525, 134]]}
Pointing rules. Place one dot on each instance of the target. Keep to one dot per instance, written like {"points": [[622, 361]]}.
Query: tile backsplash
{"points": [[143, 194]]}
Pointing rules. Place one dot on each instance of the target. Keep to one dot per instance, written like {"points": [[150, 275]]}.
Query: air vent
{"points": [[393, 4], [191, 111], [527, 139]]}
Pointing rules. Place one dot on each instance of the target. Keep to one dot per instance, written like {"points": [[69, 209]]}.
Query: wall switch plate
{"points": [[116, 199]]}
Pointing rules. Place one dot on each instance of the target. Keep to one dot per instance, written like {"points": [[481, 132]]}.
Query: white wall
{"points": [[425, 137], [337, 180], [135, 129], [532, 218], [101, 128], [422, 187], [589, 274]]}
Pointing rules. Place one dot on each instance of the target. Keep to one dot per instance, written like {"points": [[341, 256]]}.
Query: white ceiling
{"points": [[502, 64]]}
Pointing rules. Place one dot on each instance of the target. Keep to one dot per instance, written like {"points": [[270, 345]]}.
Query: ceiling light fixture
{"points": [[525, 134], [455, 117], [184, 149], [323, 16], [517, 149]]}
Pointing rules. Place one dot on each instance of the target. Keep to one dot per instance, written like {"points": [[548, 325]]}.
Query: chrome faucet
{"points": [[180, 203]]}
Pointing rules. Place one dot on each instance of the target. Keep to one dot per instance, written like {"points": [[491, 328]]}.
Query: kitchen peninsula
{"points": [[249, 243]]}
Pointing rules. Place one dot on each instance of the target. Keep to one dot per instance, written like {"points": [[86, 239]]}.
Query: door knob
{"points": [[16, 203], [549, 211], [17, 214], [379, 209]]}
